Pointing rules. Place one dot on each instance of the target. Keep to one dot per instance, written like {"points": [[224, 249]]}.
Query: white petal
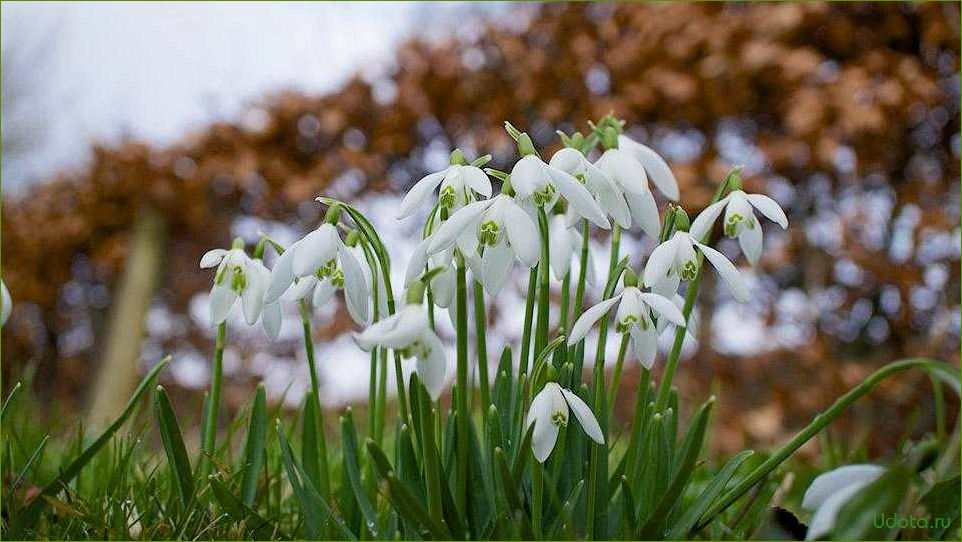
{"points": [[645, 343], [302, 288], [644, 211], [433, 368], [768, 207], [495, 267], [282, 275], [660, 262], [613, 202], [417, 263], [476, 179], [314, 250], [729, 273], [6, 303], [212, 258], [568, 160], [631, 304], [540, 407], [528, 176], [544, 438], [829, 483], [271, 319], [578, 197], [667, 286], [664, 307], [589, 317], [252, 297], [355, 285], [522, 234], [443, 286], [655, 165], [559, 243], [823, 520], [411, 323], [419, 193], [750, 240], [625, 169], [585, 417], [221, 301], [456, 224], [323, 292], [706, 219], [370, 337]]}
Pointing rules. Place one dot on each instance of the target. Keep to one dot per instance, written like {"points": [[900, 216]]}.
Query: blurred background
{"points": [[138, 136]]}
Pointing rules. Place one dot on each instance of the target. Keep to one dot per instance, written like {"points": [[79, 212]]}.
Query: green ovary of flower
{"points": [[559, 418], [689, 270], [488, 235], [545, 195], [448, 197]]}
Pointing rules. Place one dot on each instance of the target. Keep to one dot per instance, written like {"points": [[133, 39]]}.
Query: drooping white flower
{"points": [[6, 303], [549, 412], [636, 315], [442, 284], [459, 185], [409, 333], [676, 260], [318, 265], [239, 275], [498, 230], [540, 183], [655, 166], [740, 221], [831, 490], [564, 245]]}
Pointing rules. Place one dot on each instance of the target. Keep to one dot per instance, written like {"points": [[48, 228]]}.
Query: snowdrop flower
{"points": [[627, 180], [239, 275], [442, 284], [317, 266], [459, 185], [409, 333], [608, 196], [831, 490], [635, 316], [540, 183], [6, 303], [565, 244], [654, 165], [499, 230], [740, 221], [549, 412], [676, 260]]}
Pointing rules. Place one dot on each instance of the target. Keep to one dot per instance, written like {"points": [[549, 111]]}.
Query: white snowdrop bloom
{"points": [[636, 316], [459, 185], [442, 284], [676, 260], [409, 333], [498, 230], [655, 166], [608, 196], [549, 412], [740, 221], [540, 183], [564, 244], [315, 267], [239, 275], [623, 179], [6, 303], [831, 490]]}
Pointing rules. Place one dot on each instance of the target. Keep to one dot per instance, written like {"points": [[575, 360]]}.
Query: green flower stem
{"points": [[616, 375], [544, 270], [565, 303], [463, 415], [615, 247], [641, 405], [325, 489], [537, 496], [528, 317], [429, 452], [598, 466], [213, 405], [481, 345], [577, 353], [812, 429], [381, 396]]}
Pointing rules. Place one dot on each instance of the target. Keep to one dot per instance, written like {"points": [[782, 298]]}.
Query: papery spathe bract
{"points": [[459, 186], [240, 276], [740, 220], [829, 492], [496, 231], [639, 314], [6, 303], [549, 412], [409, 333], [540, 184], [676, 259], [318, 265]]}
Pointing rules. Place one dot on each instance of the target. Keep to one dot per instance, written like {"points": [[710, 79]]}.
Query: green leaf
{"points": [[510, 490], [174, 447], [679, 530], [309, 441], [39, 502], [254, 447], [943, 504], [257, 526], [349, 448], [856, 519]]}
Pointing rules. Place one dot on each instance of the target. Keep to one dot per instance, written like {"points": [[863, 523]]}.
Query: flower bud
{"points": [[457, 158], [682, 222], [734, 179], [609, 137]]}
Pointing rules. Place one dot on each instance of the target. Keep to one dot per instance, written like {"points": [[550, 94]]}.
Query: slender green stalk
{"points": [[615, 247], [817, 424], [463, 415], [429, 452], [528, 317], [537, 496], [616, 375], [544, 270], [481, 345], [325, 489], [641, 404], [213, 405], [565, 303]]}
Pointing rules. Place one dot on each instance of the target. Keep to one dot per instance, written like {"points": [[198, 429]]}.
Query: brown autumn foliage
{"points": [[843, 104]]}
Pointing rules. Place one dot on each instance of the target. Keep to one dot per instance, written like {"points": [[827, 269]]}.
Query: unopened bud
{"points": [[457, 158]]}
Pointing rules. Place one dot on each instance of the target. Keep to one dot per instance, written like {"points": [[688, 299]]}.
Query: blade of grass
{"points": [[254, 447], [351, 465], [174, 447]]}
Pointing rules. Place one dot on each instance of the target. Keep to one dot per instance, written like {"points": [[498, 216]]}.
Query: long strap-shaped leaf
{"points": [[349, 448], [34, 509], [174, 446], [254, 447]]}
